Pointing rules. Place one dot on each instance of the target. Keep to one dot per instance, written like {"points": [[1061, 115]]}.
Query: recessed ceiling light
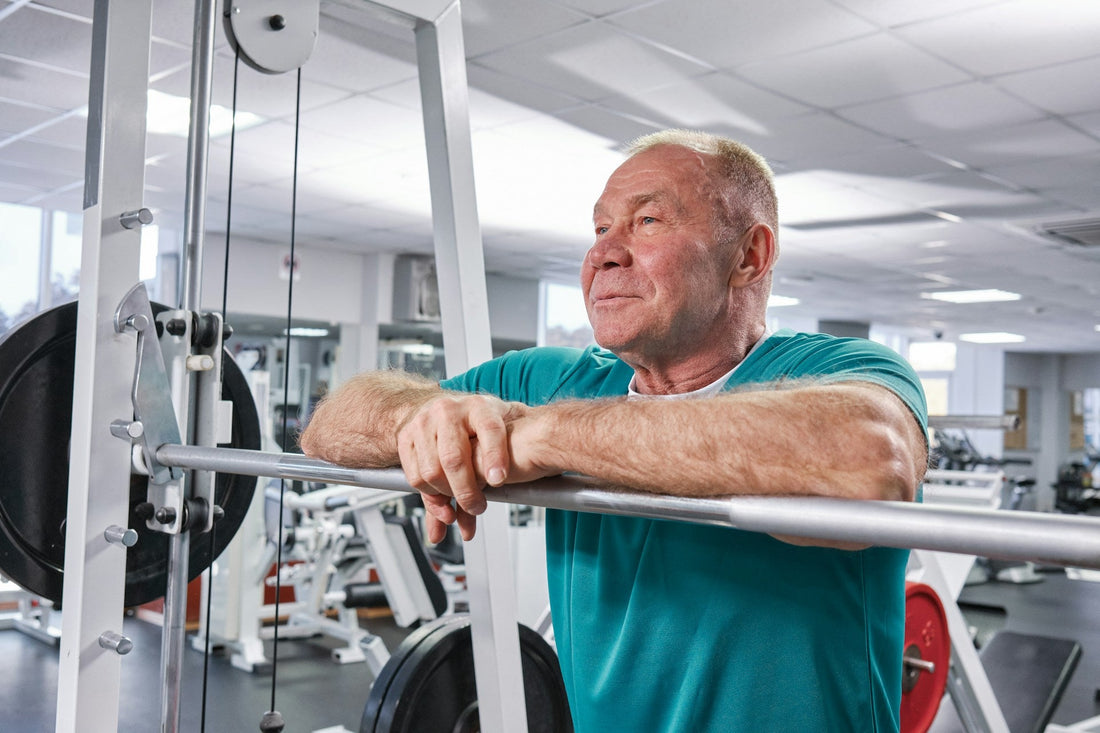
{"points": [[1097, 327], [307, 331], [171, 115], [778, 301], [992, 337], [971, 296]]}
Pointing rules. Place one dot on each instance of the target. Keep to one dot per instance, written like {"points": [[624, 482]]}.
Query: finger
{"points": [[467, 525], [492, 444], [440, 508], [455, 459], [435, 529]]}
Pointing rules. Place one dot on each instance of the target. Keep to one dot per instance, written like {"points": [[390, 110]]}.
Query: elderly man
{"points": [[660, 625]]}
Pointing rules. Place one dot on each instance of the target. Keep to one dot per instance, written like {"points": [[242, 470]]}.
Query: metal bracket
{"points": [[150, 393]]}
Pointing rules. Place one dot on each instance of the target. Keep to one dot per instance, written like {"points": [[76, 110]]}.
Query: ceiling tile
{"points": [[727, 34], [1011, 36], [891, 160], [973, 106], [18, 117], [1064, 89], [489, 25], [525, 92], [608, 124], [53, 158], [343, 59], [1090, 123], [801, 142], [591, 61], [890, 13], [46, 38], [1051, 173], [45, 88], [716, 102], [859, 70], [34, 176], [370, 120], [1015, 144]]}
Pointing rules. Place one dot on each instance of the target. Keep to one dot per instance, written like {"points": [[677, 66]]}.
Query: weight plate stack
{"points": [[36, 402]]}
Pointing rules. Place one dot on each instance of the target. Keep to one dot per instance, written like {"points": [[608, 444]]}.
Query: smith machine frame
{"points": [[168, 405]]}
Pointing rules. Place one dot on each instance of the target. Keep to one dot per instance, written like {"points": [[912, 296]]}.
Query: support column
{"points": [[99, 463], [463, 296]]}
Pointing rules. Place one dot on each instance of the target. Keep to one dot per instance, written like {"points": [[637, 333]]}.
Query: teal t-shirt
{"points": [[669, 627]]}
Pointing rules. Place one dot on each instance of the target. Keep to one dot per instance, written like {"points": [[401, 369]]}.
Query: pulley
{"points": [[273, 36], [428, 684], [36, 401], [926, 658]]}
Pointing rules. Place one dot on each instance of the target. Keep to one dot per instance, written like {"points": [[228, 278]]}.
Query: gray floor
{"points": [[312, 692]]}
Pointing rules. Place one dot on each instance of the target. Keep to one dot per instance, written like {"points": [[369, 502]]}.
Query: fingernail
{"points": [[496, 476]]}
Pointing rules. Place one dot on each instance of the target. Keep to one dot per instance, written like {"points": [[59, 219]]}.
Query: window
{"points": [[21, 253], [564, 319]]}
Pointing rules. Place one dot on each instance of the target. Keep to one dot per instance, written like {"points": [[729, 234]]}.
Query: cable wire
{"points": [[286, 379]]}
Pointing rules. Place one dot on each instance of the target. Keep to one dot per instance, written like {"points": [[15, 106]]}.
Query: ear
{"points": [[758, 253]]}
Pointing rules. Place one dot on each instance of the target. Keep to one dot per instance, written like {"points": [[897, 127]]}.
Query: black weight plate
{"points": [[36, 393], [428, 684]]}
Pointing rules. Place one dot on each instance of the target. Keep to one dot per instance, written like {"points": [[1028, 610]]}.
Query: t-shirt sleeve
{"points": [[527, 376], [844, 360]]}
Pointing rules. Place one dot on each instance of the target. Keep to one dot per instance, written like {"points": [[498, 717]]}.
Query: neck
{"points": [[686, 374]]}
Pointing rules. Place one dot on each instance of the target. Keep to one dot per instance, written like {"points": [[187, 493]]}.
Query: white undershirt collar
{"points": [[706, 391]]}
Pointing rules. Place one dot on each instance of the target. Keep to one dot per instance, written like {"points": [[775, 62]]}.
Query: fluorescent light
{"points": [[778, 301], [992, 337], [971, 296], [171, 115], [304, 331], [1097, 327]]}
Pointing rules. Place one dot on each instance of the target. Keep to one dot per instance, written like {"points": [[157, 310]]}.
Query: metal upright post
{"points": [[179, 544], [460, 266], [99, 463]]}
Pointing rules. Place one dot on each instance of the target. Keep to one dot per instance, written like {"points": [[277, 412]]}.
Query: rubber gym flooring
{"points": [[314, 693]]}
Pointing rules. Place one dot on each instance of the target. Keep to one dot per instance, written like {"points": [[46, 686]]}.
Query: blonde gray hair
{"points": [[745, 185]]}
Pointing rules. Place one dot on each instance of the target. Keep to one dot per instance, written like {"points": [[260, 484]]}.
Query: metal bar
{"points": [[1058, 539], [974, 422], [179, 544]]}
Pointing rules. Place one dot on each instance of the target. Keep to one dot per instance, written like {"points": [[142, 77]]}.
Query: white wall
{"points": [[328, 288]]}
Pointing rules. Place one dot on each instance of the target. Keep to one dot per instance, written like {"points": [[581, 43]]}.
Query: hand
{"points": [[451, 448]]}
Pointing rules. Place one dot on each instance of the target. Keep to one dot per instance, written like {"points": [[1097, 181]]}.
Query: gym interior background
{"points": [[938, 167]]}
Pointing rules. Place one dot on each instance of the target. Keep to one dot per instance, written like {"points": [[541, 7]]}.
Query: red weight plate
{"points": [[926, 639]]}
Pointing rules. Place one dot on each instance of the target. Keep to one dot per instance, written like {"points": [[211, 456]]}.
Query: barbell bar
{"points": [[1009, 535]]}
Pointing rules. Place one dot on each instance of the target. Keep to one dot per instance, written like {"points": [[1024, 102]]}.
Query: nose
{"points": [[610, 250]]}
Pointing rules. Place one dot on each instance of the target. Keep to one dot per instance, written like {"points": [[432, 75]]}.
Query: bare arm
{"points": [[851, 440], [357, 424]]}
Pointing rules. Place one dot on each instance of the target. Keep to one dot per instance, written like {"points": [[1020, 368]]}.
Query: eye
{"points": [[601, 230], [648, 220]]}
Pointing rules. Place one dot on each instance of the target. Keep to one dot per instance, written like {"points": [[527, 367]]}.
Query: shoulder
{"points": [[794, 355], [541, 374]]}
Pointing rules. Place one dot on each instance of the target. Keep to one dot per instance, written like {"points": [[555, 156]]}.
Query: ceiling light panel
{"points": [[992, 337], [991, 295]]}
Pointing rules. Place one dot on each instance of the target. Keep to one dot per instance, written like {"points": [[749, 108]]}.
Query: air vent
{"points": [[1079, 232]]}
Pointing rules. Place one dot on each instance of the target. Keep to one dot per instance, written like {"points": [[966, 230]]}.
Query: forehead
{"points": [[666, 173]]}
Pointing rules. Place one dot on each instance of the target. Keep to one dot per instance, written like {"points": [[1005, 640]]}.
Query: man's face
{"points": [[655, 284]]}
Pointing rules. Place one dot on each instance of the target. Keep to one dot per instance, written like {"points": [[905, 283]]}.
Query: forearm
{"points": [[849, 440], [357, 424]]}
